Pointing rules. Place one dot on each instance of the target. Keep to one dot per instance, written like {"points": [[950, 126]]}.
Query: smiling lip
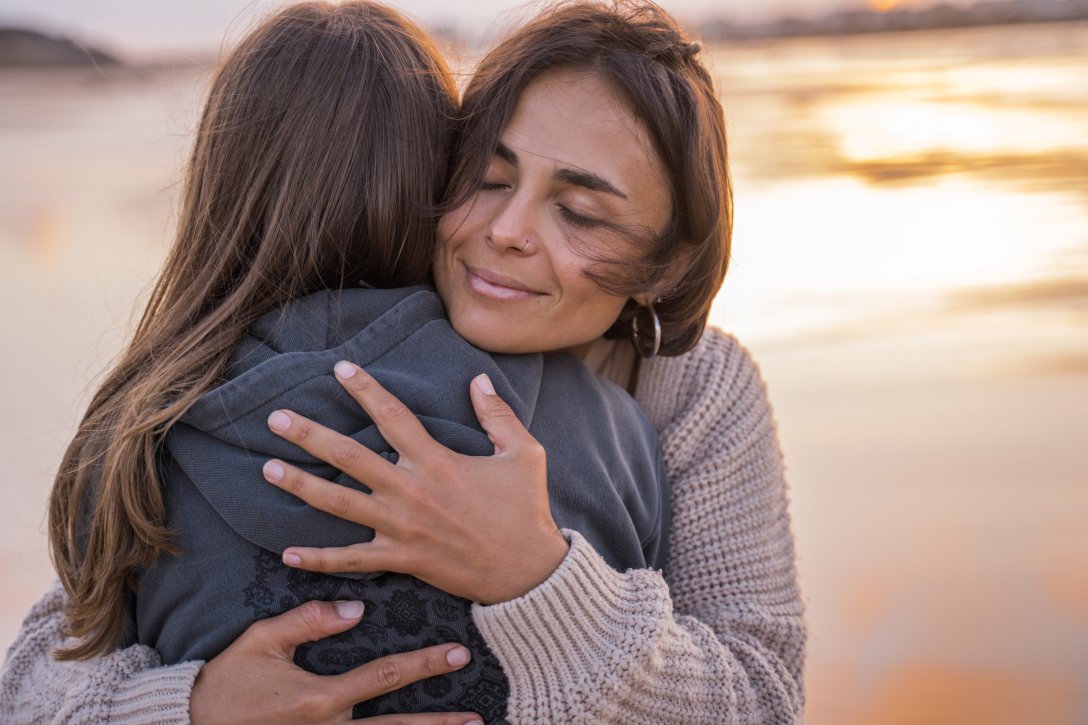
{"points": [[496, 286]]}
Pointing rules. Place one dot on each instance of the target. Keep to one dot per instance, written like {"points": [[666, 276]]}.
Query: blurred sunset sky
{"points": [[910, 269], [136, 28]]}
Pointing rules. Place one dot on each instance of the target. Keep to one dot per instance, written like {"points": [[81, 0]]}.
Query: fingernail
{"points": [[291, 559], [279, 421], [458, 656], [349, 610], [475, 722], [273, 470], [344, 369], [484, 383]]}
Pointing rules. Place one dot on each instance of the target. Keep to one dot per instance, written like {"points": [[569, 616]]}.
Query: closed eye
{"points": [[577, 219]]}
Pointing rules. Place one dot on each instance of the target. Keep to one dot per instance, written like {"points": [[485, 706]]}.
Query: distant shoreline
{"points": [[992, 13], [23, 48], [756, 40]]}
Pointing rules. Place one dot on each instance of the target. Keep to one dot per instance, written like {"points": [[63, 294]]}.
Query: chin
{"points": [[486, 337]]}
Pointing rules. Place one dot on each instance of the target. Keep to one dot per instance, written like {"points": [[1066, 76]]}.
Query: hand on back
{"points": [[255, 679], [479, 527]]}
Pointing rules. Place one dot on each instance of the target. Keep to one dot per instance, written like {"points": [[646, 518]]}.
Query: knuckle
{"points": [[257, 632], [403, 562], [443, 468], [499, 408], [418, 499], [312, 614], [308, 704], [354, 562], [346, 453], [535, 452], [294, 480], [304, 430], [433, 663], [399, 527], [363, 382], [394, 409], [340, 502], [389, 674]]}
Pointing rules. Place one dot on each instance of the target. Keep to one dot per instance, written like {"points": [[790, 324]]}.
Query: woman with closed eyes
{"points": [[588, 200]]}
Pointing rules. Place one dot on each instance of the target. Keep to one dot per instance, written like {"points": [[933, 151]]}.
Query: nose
{"points": [[514, 226]]}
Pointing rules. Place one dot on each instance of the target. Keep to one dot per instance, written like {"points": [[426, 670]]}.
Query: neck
{"points": [[615, 360]]}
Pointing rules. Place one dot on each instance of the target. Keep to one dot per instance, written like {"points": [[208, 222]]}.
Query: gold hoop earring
{"points": [[638, 340]]}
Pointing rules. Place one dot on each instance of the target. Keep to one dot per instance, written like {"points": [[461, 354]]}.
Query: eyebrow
{"points": [[585, 179]]}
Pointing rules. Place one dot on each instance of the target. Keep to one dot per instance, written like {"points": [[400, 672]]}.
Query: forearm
{"points": [[596, 645], [721, 637], [127, 686]]}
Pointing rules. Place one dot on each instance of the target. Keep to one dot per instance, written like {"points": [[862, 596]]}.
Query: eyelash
{"points": [[577, 219], [568, 216]]}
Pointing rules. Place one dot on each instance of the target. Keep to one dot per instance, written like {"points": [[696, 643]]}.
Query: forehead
{"points": [[579, 120]]}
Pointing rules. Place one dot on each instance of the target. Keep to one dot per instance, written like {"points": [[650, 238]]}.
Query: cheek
{"points": [[594, 308], [446, 232], [448, 226], [608, 309], [456, 223]]}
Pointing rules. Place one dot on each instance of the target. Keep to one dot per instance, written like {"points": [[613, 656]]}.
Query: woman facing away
{"points": [[719, 637]]}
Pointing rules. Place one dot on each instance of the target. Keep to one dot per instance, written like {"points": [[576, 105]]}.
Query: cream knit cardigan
{"points": [[718, 638]]}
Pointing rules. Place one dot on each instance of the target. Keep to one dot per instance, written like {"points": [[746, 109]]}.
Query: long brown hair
{"points": [[648, 58], [318, 160]]}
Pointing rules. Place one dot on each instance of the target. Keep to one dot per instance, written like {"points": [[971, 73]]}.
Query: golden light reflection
{"points": [[883, 6], [880, 127], [1065, 171], [852, 247], [1069, 293]]}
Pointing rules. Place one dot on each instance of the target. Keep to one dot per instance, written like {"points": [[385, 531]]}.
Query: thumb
{"points": [[309, 622], [496, 416]]}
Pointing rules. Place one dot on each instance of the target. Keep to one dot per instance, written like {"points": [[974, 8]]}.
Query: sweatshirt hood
{"points": [[401, 337]]}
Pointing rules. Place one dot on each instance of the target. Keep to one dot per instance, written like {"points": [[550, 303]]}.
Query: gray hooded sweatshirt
{"points": [[606, 480]]}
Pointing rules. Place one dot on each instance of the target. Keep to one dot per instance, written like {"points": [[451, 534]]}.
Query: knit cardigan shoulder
{"points": [[717, 637]]}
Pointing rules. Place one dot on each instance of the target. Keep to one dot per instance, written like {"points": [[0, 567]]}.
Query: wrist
{"points": [[541, 561], [552, 555]]}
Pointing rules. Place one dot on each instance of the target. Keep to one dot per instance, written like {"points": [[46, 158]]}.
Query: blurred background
{"points": [[910, 269]]}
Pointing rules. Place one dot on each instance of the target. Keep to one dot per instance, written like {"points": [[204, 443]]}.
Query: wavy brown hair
{"points": [[318, 160], [645, 54]]}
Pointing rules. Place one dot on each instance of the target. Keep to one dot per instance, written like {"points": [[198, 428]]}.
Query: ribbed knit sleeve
{"points": [[720, 636], [127, 687]]}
